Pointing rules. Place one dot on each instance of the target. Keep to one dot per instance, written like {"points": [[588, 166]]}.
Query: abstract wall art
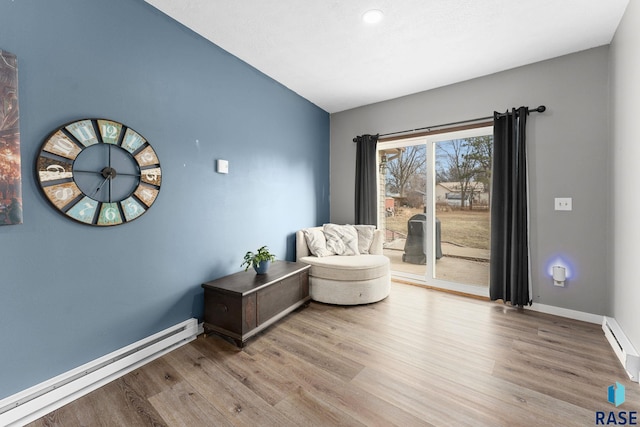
{"points": [[10, 175]]}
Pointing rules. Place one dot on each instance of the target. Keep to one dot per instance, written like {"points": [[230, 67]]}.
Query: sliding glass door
{"points": [[434, 208]]}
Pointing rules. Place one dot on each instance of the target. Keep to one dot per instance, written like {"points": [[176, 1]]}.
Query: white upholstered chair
{"points": [[361, 277]]}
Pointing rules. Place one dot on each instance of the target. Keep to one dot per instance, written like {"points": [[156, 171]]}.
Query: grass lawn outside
{"points": [[460, 227]]}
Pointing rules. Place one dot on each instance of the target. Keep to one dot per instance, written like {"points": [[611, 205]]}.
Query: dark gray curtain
{"points": [[366, 184], [510, 272]]}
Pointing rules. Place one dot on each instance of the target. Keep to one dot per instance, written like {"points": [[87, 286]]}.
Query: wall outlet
{"points": [[563, 204]]}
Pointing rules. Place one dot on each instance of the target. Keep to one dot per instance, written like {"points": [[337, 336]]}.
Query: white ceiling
{"points": [[323, 51]]}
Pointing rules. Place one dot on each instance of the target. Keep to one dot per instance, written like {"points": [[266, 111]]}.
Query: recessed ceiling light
{"points": [[372, 16]]}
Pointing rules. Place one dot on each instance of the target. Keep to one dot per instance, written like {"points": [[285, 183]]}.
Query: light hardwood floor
{"points": [[420, 357]]}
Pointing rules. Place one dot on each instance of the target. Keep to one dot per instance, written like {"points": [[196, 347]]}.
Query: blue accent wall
{"points": [[70, 293]]}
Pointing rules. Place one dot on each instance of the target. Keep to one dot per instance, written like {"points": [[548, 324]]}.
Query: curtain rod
{"points": [[540, 109]]}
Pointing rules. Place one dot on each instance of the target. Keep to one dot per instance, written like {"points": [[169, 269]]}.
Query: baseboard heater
{"points": [[37, 401], [622, 347]]}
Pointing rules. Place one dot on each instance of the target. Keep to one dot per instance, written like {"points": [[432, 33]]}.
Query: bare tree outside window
{"points": [[407, 170], [481, 150], [466, 162], [458, 166]]}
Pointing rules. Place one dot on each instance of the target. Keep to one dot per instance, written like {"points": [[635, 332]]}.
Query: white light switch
{"points": [[563, 204], [222, 166]]}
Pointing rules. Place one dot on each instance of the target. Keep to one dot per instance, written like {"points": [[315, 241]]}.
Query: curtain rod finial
{"points": [[541, 109]]}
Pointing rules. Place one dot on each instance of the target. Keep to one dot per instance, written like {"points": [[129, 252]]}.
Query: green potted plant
{"points": [[260, 260]]}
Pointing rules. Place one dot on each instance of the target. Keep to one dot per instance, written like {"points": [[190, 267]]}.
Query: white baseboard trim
{"points": [[481, 291], [565, 312], [37, 401], [626, 352]]}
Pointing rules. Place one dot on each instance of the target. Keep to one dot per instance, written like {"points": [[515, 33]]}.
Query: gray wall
{"points": [[625, 95], [70, 293], [568, 153]]}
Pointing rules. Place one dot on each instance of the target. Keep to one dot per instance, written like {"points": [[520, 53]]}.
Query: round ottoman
{"points": [[349, 280]]}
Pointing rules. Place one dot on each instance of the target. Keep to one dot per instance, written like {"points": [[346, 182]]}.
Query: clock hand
{"points": [[100, 172], [82, 171], [101, 184]]}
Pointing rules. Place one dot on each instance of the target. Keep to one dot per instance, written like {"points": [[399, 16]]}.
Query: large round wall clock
{"points": [[99, 172]]}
